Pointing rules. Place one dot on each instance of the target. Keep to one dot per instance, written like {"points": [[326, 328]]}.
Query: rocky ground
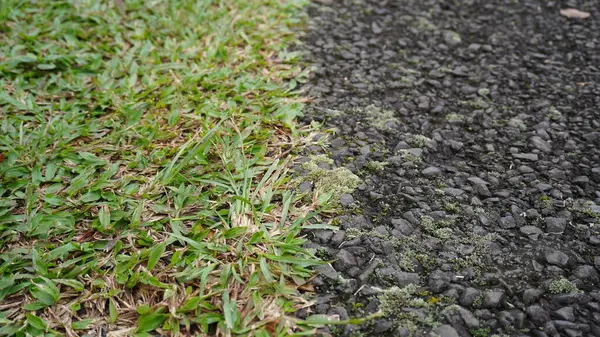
{"points": [[474, 126]]}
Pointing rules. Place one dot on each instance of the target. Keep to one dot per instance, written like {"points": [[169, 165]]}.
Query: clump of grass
{"points": [[329, 184], [562, 286], [143, 185]]}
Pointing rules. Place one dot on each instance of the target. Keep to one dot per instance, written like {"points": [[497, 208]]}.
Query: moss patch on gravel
{"points": [[397, 303], [329, 184], [562, 286]]}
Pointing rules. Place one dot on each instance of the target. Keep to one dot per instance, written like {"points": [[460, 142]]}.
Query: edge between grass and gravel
{"points": [[144, 155]]}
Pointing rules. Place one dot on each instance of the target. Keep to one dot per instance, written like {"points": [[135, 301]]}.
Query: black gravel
{"points": [[475, 128]]}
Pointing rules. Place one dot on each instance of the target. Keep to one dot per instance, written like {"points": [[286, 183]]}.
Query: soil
{"points": [[474, 126]]}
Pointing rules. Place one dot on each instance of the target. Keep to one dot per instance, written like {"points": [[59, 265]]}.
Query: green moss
{"points": [[562, 286], [418, 140], [424, 24], [451, 207], [438, 229], [375, 166], [545, 201], [407, 156], [353, 233], [322, 253], [427, 262], [392, 300], [379, 118], [478, 301], [329, 183], [455, 117], [477, 104], [553, 113], [428, 223], [357, 333], [480, 332], [443, 233], [406, 262]]}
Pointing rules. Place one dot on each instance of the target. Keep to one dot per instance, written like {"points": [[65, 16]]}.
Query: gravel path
{"points": [[475, 128]]}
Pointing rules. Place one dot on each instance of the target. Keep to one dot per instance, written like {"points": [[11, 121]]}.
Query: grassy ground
{"points": [[143, 183]]}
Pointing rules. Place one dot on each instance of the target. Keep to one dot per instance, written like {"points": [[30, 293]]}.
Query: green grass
{"points": [[143, 183]]}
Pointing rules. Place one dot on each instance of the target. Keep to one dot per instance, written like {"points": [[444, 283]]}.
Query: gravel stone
{"points": [[469, 296], [431, 171], [345, 259], [368, 271], [537, 314], [400, 278], [382, 326], [446, 331], [586, 273], [492, 299], [346, 200], [565, 313], [323, 236], [541, 144], [507, 222], [305, 187], [557, 258], [531, 295], [468, 318], [455, 192], [555, 225], [526, 156], [403, 226], [328, 271], [531, 232]]}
